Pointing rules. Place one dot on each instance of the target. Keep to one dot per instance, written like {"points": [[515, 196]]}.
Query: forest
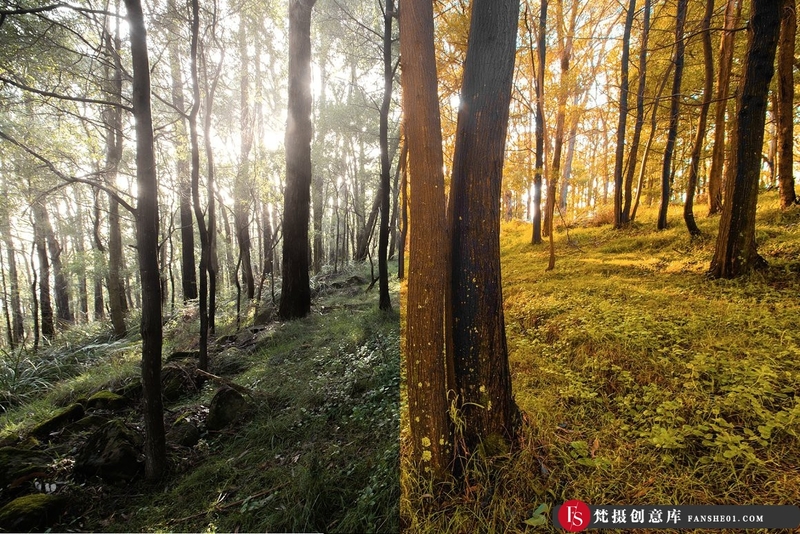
{"points": [[380, 266]]}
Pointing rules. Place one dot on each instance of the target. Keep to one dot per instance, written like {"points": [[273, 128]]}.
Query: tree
{"points": [[147, 238], [620, 216], [384, 192], [296, 291], [482, 376], [735, 253], [672, 133], [786, 107], [425, 319], [732, 8], [697, 147], [536, 238]]}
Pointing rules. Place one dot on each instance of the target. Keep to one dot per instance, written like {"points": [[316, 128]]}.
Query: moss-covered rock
{"points": [[106, 400], [184, 433], [58, 421], [87, 423], [16, 463], [131, 390], [177, 380], [228, 406], [111, 452], [32, 513]]}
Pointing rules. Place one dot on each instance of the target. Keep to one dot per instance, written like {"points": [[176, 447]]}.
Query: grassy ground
{"points": [[641, 380], [319, 454]]}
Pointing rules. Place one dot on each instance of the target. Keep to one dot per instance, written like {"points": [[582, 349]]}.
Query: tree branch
{"points": [[68, 179], [64, 97]]}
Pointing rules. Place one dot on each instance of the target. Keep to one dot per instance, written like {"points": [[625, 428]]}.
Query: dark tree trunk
{"points": [[672, 133], [113, 123], [147, 248], [183, 169], [425, 315], [786, 108], [403, 194], [723, 88], [80, 251], [385, 302], [627, 214], [241, 210], [735, 252], [620, 217], [45, 304], [483, 380], [63, 311], [697, 147], [536, 238], [317, 186], [17, 320], [296, 292], [99, 264]]}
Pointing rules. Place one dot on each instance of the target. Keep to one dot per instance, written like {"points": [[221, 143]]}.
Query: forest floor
{"points": [[318, 452], [641, 380]]}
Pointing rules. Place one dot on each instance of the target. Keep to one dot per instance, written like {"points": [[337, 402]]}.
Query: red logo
{"points": [[574, 516]]}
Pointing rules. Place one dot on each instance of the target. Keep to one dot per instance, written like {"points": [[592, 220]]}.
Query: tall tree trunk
{"points": [[385, 189], [147, 247], [536, 238], [403, 194], [425, 315], [212, 262], [60, 289], [183, 170], [99, 264], [697, 147], [732, 9], [627, 214], [241, 210], [296, 292], [735, 252], [317, 185], [786, 107], [47, 322], [113, 123], [482, 376], [17, 321], [672, 133], [620, 217]]}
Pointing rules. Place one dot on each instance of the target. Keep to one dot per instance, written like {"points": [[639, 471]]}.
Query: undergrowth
{"points": [[320, 452], [641, 380]]}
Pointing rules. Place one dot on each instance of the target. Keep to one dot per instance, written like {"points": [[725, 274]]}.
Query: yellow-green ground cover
{"points": [[642, 381]]}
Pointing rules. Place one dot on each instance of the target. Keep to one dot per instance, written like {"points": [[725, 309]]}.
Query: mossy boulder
{"points": [[227, 407], [32, 513], [88, 423], [61, 419], [17, 463], [131, 390], [111, 452], [106, 400], [177, 380], [184, 433]]}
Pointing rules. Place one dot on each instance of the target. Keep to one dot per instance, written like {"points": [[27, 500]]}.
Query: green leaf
{"points": [[539, 517]]}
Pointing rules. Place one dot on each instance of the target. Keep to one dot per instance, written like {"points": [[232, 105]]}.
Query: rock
{"points": [[111, 452], [17, 463], [87, 423], [184, 433], [132, 390], [230, 361], [106, 400], [228, 406], [32, 513], [58, 421], [177, 380]]}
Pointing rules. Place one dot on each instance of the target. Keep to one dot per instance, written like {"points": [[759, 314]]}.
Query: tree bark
{"points": [[241, 210], [425, 315], [697, 147], [296, 291], [732, 8], [46, 306], [384, 300], [482, 376], [620, 217], [183, 170], [17, 320], [147, 247], [786, 108], [536, 238], [735, 252], [672, 133]]}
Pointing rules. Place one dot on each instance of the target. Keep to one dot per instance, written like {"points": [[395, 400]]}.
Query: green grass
{"points": [[320, 452], [641, 380]]}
